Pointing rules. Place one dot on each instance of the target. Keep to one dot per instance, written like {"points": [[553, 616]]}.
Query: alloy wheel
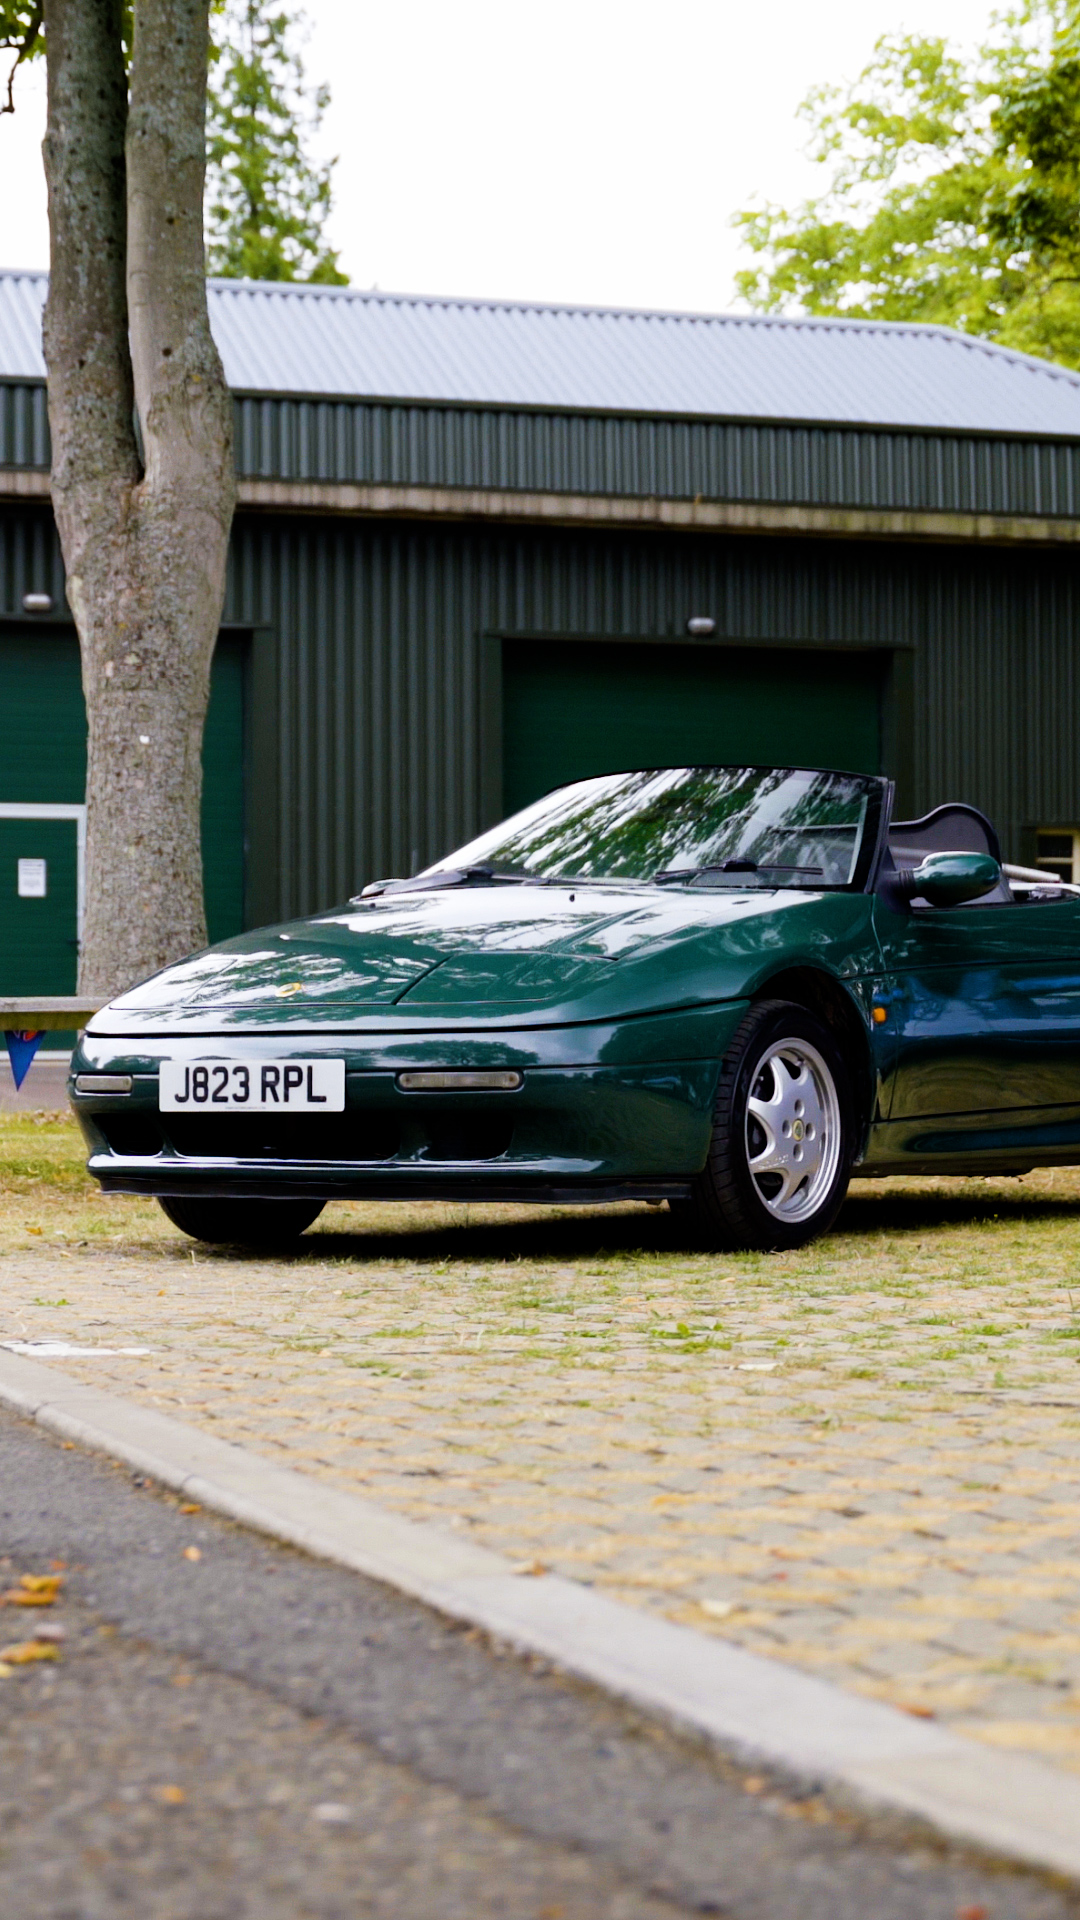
{"points": [[793, 1130]]}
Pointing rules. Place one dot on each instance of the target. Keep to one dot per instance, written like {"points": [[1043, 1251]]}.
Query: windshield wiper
{"points": [[521, 874], [731, 866]]}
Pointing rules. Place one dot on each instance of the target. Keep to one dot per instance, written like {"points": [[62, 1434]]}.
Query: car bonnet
{"points": [[559, 952]]}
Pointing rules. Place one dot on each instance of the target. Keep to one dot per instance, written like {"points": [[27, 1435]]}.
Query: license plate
{"points": [[253, 1086]]}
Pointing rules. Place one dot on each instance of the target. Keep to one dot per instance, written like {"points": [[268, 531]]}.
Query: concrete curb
{"points": [[761, 1710]]}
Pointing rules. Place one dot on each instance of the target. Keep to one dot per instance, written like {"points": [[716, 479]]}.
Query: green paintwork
{"points": [[954, 879], [508, 954], [617, 1003], [985, 1014], [679, 706], [582, 1122]]}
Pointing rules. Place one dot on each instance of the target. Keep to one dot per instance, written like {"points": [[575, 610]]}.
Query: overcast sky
{"points": [[582, 150]]}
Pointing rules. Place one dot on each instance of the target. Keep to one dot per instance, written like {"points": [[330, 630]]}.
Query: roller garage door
{"points": [[42, 789], [572, 708]]}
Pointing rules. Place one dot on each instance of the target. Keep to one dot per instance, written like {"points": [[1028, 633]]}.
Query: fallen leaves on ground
{"points": [[24, 1653], [33, 1590]]}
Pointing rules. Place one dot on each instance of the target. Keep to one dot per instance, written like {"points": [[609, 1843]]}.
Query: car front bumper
{"points": [[618, 1111]]}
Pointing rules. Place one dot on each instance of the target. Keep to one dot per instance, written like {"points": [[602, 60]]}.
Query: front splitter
{"points": [[235, 1184]]}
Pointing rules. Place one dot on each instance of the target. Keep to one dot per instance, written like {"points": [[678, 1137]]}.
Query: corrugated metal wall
{"points": [[676, 459], [24, 424], [30, 558], [374, 657], [461, 446], [368, 665]]}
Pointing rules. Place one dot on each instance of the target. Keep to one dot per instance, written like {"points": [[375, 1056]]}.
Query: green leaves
{"points": [[20, 25], [20, 32], [266, 200], [22, 29], [954, 190]]}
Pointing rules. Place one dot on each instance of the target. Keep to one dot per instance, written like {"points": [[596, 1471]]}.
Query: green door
{"points": [[985, 1015], [572, 708], [43, 761], [39, 915]]}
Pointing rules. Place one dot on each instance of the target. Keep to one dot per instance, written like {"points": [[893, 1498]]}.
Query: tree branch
{"points": [[27, 42], [86, 323], [180, 390]]}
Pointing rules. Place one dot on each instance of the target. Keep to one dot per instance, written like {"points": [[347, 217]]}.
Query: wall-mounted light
{"points": [[37, 602], [701, 625]]}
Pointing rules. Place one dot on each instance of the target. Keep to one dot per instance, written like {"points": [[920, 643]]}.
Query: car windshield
{"points": [[741, 827]]}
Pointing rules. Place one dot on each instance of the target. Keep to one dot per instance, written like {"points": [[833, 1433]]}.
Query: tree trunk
{"points": [[144, 545]]}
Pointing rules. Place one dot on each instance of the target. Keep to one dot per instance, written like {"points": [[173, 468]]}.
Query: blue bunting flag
{"points": [[21, 1050]]}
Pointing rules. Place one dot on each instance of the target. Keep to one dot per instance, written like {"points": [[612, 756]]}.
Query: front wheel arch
{"points": [[834, 1005], [784, 1068]]}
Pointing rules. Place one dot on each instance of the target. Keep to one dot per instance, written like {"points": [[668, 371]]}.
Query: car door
{"points": [[983, 1003]]}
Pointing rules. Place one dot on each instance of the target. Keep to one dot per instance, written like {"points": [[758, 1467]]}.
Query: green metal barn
{"points": [[484, 547]]}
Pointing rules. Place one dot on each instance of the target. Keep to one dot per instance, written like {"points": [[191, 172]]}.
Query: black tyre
{"points": [[242, 1223], [782, 1144]]}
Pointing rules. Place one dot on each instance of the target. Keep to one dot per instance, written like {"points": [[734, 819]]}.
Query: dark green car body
{"points": [[616, 1004]]}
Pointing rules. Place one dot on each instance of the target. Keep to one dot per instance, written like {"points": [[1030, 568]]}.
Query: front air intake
{"points": [[272, 1136]]}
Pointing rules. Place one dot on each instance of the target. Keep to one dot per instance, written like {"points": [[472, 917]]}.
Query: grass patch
{"points": [[47, 1195], [921, 1250]]}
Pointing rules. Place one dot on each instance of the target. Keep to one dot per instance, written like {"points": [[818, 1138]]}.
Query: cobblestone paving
{"points": [[863, 1459]]}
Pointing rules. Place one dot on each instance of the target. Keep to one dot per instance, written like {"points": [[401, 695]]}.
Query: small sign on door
{"points": [[33, 879]]}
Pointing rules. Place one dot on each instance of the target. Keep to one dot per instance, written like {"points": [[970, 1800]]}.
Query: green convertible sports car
{"points": [[725, 987]]}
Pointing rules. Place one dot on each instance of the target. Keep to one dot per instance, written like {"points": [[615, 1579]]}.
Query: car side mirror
{"points": [[949, 879]]}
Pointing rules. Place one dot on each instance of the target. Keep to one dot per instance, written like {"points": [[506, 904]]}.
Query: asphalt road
{"points": [[44, 1089], [252, 1733]]}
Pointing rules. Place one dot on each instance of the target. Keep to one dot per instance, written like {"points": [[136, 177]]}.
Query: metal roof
{"points": [[277, 338]]}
